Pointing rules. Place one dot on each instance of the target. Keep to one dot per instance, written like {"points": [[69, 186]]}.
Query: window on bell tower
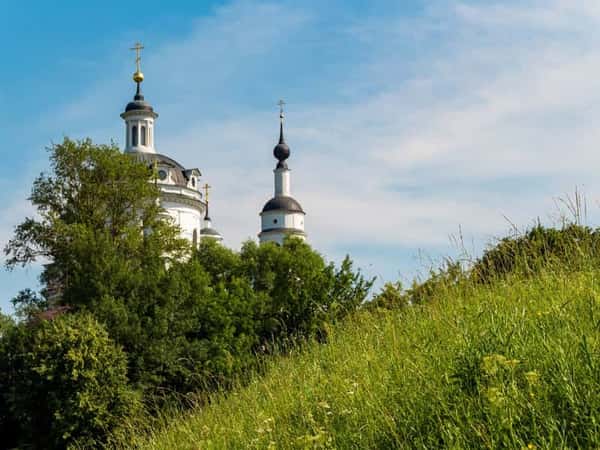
{"points": [[134, 136], [143, 132]]}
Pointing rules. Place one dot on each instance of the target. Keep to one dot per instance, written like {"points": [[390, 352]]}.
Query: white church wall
{"points": [[186, 217]]}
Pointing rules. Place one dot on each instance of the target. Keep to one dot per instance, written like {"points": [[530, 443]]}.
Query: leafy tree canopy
{"points": [[98, 222]]}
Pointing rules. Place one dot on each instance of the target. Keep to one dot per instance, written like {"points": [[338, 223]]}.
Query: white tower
{"points": [[282, 215], [139, 116], [180, 195]]}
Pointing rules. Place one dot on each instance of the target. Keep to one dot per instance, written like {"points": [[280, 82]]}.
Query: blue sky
{"points": [[410, 122]]}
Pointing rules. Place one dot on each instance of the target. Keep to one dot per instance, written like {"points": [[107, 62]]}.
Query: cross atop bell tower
{"points": [[138, 76], [139, 115]]}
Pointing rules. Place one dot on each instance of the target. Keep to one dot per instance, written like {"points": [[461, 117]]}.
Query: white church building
{"points": [[181, 194]]}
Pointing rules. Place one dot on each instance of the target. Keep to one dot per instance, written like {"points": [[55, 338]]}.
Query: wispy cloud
{"points": [[402, 128]]}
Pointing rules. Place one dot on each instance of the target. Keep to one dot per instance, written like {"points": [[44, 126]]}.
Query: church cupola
{"points": [[139, 116], [207, 231], [282, 215]]}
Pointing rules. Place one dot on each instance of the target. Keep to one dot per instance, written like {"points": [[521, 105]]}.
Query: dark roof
{"points": [[181, 178], [283, 203], [209, 232], [138, 103]]}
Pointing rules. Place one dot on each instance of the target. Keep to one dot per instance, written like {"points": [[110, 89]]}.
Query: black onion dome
{"points": [[283, 203], [281, 151], [138, 103]]}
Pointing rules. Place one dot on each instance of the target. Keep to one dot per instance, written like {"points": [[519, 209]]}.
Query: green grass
{"points": [[507, 365]]}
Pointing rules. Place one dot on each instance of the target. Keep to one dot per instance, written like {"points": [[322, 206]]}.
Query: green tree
{"points": [[99, 224], [101, 227], [28, 304], [64, 381], [6, 323], [298, 292]]}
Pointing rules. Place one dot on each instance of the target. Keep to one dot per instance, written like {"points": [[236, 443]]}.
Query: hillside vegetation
{"points": [[274, 346], [505, 361]]}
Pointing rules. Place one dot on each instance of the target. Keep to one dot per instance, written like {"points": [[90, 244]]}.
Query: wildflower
{"points": [[532, 377], [490, 363], [494, 396], [324, 405], [512, 363]]}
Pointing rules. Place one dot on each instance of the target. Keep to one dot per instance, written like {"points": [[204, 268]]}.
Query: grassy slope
{"points": [[511, 365]]}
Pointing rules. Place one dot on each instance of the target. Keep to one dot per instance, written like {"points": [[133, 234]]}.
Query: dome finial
{"points": [[281, 104], [207, 188], [281, 150], [138, 76]]}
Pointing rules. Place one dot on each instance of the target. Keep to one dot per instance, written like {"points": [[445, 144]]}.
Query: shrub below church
{"points": [[64, 381]]}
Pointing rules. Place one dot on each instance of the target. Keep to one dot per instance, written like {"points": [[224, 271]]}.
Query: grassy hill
{"points": [[511, 364]]}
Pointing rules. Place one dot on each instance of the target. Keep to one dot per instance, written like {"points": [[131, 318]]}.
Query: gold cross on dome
{"points": [[207, 188], [138, 47]]}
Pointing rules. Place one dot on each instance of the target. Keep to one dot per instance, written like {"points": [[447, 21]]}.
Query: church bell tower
{"points": [[282, 216], [139, 116]]}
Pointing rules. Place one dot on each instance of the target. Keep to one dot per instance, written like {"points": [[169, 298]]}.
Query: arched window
{"points": [[134, 136], [193, 182], [195, 238], [143, 135]]}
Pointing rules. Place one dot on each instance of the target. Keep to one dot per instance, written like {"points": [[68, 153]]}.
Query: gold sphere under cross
{"points": [[138, 76]]}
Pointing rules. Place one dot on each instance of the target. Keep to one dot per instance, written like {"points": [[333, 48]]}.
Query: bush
{"points": [[571, 247], [64, 381]]}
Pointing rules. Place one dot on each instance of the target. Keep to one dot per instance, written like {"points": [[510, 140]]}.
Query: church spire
{"points": [[281, 118], [281, 150]]}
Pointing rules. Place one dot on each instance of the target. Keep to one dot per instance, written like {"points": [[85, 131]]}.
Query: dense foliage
{"points": [[131, 316], [61, 381], [186, 320], [507, 364], [573, 247]]}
